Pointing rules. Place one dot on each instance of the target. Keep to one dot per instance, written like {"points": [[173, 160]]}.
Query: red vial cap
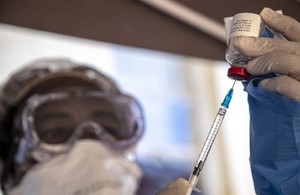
{"points": [[238, 73]]}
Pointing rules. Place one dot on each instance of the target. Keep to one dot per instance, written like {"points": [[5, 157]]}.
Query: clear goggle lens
{"points": [[53, 122]]}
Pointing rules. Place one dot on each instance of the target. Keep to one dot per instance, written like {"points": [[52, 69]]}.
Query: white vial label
{"points": [[245, 24]]}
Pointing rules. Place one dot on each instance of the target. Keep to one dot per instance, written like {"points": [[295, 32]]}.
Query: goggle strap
{"points": [[23, 148]]}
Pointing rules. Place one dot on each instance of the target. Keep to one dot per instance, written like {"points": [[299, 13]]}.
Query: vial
{"points": [[242, 24]]}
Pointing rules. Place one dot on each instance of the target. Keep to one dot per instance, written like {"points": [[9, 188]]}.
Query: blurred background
{"points": [[169, 54]]}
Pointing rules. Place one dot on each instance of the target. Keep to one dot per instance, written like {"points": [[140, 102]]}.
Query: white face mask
{"points": [[88, 169]]}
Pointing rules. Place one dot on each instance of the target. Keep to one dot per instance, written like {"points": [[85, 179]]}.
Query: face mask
{"points": [[89, 168]]}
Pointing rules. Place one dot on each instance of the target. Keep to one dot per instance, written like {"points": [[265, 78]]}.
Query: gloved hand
{"points": [[179, 187], [275, 55]]}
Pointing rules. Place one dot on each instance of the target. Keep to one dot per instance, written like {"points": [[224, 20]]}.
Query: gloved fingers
{"points": [[287, 26], [257, 46], [179, 187], [283, 85], [276, 62]]}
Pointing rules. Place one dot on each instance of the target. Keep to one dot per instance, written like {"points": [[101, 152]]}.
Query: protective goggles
{"points": [[53, 122]]}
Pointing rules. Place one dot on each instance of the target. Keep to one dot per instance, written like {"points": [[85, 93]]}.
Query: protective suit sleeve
{"points": [[274, 141]]}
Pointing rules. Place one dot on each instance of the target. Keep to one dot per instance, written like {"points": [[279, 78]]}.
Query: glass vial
{"points": [[242, 24]]}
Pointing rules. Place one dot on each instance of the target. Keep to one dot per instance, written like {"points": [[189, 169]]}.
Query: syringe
{"points": [[194, 177]]}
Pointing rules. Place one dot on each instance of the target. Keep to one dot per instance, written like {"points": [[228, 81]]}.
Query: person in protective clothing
{"points": [[274, 105], [66, 128]]}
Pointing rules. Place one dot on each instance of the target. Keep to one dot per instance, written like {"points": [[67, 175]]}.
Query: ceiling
{"points": [[135, 23]]}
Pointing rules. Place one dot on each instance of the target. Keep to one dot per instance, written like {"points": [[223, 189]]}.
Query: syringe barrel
{"points": [[211, 136]]}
